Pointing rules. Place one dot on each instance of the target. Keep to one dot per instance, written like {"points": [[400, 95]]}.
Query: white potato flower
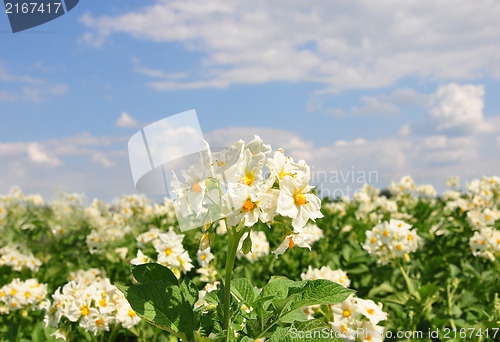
{"points": [[296, 202], [18, 294], [390, 240], [91, 301], [486, 243], [338, 276], [140, 259]]}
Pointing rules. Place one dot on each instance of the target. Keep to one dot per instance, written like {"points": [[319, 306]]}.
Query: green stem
{"points": [[234, 235], [114, 332], [449, 294], [411, 290], [407, 280]]}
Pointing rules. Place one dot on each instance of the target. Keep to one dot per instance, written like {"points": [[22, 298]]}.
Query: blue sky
{"points": [[396, 87]]}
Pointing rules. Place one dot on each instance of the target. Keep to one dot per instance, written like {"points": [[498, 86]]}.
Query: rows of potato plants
{"points": [[408, 262]]}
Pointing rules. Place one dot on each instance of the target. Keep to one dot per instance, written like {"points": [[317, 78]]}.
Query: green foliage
{"points": [[449, 286]]}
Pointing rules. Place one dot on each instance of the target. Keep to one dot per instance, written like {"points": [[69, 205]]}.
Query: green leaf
{"points": [[150, 272], [398, 298], [37, 335], [293, 316], [319, 292], [277, 288], [163, 305], [310, 324], [247, 339], [247, 245], [384, 288], [245, 289], [189, 290], [294, 334]]}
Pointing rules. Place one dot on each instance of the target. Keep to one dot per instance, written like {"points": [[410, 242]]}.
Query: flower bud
{"points": [[206, 240]]}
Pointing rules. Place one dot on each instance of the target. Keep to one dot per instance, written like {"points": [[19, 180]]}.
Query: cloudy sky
{"points": [[389, 87]]}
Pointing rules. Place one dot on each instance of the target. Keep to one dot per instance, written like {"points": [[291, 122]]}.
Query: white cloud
{"points": [[404, 130], [100, 167], [84, 163], [102, 159], [389, 105], [37, 155], [7, 76], [372, 106], [28, 88], [456, 107], [324, 42], [126, 121], [429, 159]]}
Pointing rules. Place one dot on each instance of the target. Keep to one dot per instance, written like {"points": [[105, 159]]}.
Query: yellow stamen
{"points": [[291, 243], [399, 247], [347, 313], [386, 233], [370, 311], [246, 180], [300, 199], [85, 311], [249, 205], [131, 313], [373, 240], [196, 188], [168, 251], [103, 302]]}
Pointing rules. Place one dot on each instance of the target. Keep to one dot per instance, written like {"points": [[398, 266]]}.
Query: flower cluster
{"points": [[231, 184], [486, 243], [325, 272], [391, 240], [20, 294], [406, 185], [112, 223], [479, 219], [17, 258], [92, 301], [169, 249], [354, 313]]}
